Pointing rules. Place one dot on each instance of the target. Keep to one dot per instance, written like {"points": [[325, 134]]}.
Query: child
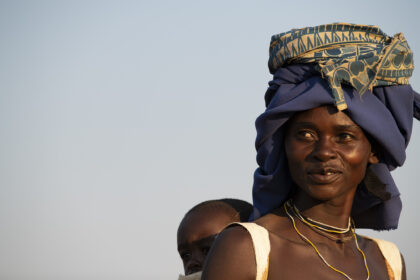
{"points": [[199, 228]]}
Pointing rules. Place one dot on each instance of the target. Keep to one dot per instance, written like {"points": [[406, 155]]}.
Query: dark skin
{"points": [[196, 235], [328, 155]]}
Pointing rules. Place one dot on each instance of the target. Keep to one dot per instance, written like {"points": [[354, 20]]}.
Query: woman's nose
{"points": [[324, 149]]}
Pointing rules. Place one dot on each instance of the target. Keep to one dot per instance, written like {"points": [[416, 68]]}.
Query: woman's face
{"points": [[327, 153]]}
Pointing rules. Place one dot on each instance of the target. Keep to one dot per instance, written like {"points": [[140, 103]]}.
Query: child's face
{"points": [[196, 234]]}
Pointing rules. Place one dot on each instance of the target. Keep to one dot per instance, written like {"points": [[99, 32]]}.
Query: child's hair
{"points": [[239, 209]]}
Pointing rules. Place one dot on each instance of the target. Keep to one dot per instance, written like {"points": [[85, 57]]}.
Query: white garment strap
{"points": [[261, 243], [392, 255]]}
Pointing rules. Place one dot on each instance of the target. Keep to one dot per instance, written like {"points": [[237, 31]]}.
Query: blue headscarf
{"points": [[385, 113]]}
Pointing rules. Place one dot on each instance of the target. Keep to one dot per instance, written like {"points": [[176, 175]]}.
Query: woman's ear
{"points": [[373, 158], [375, 152]]}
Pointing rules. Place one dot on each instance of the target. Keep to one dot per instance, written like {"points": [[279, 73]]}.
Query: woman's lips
{"points": [[324, 175]]}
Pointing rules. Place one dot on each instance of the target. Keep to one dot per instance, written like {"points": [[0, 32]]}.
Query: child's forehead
{"points": [[203, 222], [208, 214]]}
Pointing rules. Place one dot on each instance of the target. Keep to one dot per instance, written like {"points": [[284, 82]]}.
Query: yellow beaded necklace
{"points": [[319, 254], [316, 224]]}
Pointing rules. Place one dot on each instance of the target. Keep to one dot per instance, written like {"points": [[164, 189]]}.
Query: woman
{"points": [[338, 119]]}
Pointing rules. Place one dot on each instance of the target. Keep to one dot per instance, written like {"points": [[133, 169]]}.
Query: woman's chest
{"points": [[298, 261]]}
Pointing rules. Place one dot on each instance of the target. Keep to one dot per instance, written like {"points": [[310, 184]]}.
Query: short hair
{"points": [[238, 208]]}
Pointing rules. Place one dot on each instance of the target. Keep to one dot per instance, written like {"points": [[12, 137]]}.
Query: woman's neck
{"points": [[334, 212]]}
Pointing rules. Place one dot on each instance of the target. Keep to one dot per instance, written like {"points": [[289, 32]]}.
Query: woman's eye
{"points": [[345, 137], [305, 135]]}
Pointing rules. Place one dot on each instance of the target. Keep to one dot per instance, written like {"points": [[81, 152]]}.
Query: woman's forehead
{"points": [[322, 115]]}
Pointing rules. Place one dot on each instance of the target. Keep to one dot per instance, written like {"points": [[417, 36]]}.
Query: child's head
{"points": [[200, 226]]}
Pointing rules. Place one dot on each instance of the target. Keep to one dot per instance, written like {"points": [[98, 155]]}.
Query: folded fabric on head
{"points": [[359, 55], [384, 112]]}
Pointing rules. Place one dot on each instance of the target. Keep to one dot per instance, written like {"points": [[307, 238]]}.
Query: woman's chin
{"points": [[323, 192]]}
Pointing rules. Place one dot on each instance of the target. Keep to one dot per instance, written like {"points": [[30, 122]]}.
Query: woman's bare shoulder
{"points": [[231, 256], [276, 224], [373, 247]]}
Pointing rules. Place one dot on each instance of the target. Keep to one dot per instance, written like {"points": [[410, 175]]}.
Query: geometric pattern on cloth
{"points": [[361, 56]]}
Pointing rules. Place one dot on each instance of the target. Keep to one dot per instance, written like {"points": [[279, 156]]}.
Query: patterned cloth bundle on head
{"points": [[359, 55], [359, 69]]}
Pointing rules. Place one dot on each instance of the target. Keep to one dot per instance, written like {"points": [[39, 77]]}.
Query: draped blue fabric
{"points": [[385, 114]]}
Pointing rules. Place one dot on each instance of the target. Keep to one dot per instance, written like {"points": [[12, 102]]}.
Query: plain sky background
{"points": [[116, 117]]}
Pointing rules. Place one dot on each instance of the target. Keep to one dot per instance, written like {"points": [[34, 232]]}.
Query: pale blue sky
{"points": [[117, 116]]}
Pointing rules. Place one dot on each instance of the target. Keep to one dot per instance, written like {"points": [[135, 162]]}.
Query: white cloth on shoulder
{"points": [[392, 257], [261, 243]]}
